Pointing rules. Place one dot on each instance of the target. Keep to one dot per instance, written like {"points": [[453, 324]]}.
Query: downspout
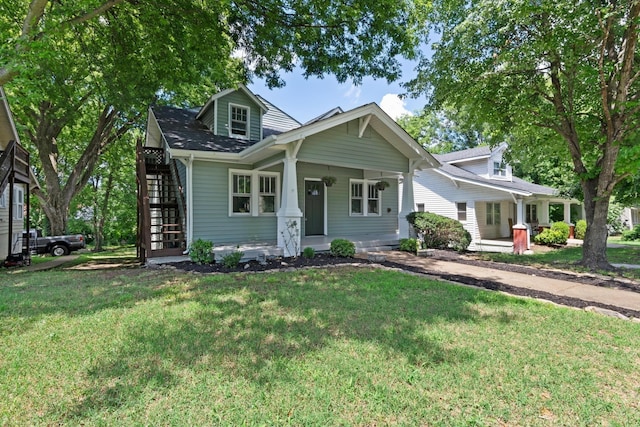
{"points": [[189, 203]]}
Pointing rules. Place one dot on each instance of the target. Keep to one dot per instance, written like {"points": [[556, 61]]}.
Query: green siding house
{"points": [[240, 171]]}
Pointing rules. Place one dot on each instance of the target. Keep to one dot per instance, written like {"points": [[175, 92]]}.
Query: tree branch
{"points": [[84, 17]]}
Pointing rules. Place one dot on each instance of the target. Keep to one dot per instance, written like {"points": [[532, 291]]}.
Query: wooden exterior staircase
{"points": [[15, 169], [161, 205]]}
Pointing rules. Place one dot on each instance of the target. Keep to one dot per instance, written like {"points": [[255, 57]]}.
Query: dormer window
{"points": [[499, 169], [238, 121]]}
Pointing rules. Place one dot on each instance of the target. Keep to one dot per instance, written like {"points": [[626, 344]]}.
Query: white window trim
{"points": [[254, 196], [365, 197], [3, 198], [493, 216], [233, 135], [18, 203], [466, 211]]}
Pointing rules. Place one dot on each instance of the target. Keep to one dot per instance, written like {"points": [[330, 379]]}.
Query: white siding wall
{"points": [[4, 226], [479, 167], [440, 195]]}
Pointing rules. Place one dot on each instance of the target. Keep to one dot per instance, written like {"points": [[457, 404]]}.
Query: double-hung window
{"points": [[3, 198], [365, 199], [253, 193], [238, 121], [499, 169], [532, 213], [462, 211], [493, 213], [18, 203]]}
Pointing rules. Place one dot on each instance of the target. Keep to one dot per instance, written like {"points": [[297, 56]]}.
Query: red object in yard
{"points": [[572, 231], [520, 234]]}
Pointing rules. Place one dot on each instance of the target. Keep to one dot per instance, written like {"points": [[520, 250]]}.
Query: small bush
{"points": [[200, 251], [440, 232], [308, 253], [342, 248], [232, 259], [409, 245], [630, 235], [581, 229], [556, 235]]}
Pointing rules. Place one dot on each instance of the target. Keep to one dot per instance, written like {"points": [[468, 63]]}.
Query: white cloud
{"points": [[353, 93], [394, 106]]}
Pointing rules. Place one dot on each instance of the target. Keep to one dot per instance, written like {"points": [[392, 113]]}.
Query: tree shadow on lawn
{"points": [[253, 328]]}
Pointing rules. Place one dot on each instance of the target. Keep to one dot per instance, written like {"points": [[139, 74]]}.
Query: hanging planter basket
{"points": [[329, 180], [381, 185]]}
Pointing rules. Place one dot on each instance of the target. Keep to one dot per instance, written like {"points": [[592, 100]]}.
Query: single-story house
{"points": [[477, 187], [16, 180], [240, 171]]}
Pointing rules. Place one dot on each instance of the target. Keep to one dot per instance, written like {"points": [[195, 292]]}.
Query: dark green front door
{"points": [[313, 208]]}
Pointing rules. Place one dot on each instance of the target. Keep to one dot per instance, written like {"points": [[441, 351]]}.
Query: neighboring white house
{"points": [[477, 187], [630, 217]]}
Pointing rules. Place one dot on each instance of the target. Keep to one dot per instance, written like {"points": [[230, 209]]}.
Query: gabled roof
{"points": [[276, 121], [326, 115], [242, 88], [183, 132], [470, 154], [516, 185]]}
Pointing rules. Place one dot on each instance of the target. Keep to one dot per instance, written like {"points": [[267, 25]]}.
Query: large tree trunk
{"points": [[594, 248]]}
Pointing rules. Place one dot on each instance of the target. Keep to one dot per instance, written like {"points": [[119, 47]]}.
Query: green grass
{"points": [[347, 346], [566, 258], [618, 240]]}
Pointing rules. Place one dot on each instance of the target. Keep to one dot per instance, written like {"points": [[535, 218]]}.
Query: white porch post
{"points": [[544, 215], [567, 212], [408, 205], [289, 214], [519, 211], [189, 219]]}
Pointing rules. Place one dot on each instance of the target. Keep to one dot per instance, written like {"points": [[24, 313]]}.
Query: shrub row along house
{"points": [[16, 180], [240, 171]]}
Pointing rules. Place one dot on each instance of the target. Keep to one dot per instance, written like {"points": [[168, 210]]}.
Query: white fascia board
{"points": [[482, 184], [206, 155], [468, 159]]}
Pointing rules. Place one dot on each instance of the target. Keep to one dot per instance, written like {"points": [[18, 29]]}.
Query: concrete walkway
{"points": [[597, 294]]}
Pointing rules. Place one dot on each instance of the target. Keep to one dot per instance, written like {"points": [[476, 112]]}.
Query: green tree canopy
{"points": [[558, 73], [83, 73]]}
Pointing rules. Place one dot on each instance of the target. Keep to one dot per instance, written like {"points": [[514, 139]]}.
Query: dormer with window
{"points": [[498, 169], [234, 113]]}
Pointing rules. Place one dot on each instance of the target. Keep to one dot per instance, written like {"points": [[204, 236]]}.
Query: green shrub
{"points": [[308, 252], [556, 235], [342, 248], [439, 232], [200, 251], [409, 245], [581, 229], [232, 259], [633, 234]]}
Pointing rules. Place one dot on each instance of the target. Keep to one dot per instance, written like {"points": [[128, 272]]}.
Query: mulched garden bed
{"points": [[323, 259]]}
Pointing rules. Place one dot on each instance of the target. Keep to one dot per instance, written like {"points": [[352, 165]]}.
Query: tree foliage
{"points": [[564, 74], [81, 74]]}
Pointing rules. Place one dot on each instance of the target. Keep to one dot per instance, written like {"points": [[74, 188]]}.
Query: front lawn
{"points": [[337, 346]]}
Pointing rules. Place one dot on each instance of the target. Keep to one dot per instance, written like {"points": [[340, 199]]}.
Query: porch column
{"points": [[408, 205], [567, 212], [544, 214], [519, 211], [289, 214]]}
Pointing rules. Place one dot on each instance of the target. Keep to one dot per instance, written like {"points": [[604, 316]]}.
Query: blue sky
{"points": [[306, 99]]}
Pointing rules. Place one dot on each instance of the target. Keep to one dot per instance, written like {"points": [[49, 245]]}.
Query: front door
{"points": [[313, 208]]}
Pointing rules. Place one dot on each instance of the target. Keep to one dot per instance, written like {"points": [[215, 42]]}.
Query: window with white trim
{"points": [[241, 194], [238, 121], [420, 207], [267, 196], [364, 198], [18, 203], [253, 193], [499, 169], [493, 213], [462, 211], [3, 198]]}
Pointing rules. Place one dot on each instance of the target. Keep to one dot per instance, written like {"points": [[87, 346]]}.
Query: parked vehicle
{"points": [[55, 245]]}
